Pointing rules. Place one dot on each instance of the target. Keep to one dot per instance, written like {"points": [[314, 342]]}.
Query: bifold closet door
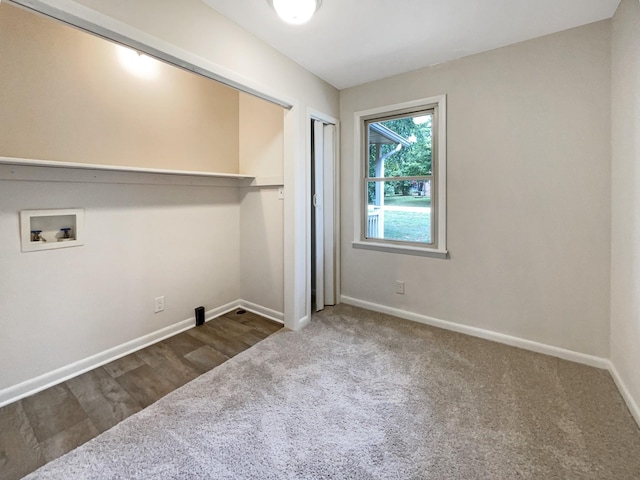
{"points": [[318, 174], [324, 207]]}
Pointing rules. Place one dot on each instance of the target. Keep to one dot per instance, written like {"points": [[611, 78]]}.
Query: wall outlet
{"points": [[159, 305], [400, 287]]}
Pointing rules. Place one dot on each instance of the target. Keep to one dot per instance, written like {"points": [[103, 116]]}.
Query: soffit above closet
{"points": [[350, 42]]}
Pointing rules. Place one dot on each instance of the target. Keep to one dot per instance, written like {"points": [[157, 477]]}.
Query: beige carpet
{"points": [[361, 395]]}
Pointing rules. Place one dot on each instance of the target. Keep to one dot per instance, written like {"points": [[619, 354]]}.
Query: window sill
{"points": [[401, 249]]}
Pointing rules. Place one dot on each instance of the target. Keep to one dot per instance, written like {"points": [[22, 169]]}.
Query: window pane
{"points": [[401, 147], [399, 211]]}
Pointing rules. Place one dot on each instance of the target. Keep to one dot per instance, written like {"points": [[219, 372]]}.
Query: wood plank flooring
{"points": [[44, 426]]}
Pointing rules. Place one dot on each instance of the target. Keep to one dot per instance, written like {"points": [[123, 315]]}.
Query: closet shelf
{"points": [[115, 168], [267, 181]]}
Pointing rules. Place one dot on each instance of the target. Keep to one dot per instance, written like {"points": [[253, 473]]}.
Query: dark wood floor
{"points": [[44, 426]]}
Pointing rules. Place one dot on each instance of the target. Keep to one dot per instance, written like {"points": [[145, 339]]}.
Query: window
{"points": [[402, 178]]}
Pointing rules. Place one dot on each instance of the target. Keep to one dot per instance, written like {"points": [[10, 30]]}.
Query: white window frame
{"points": [[439, 247]]}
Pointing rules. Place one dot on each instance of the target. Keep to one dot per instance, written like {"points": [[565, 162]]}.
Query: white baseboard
{"points": [[577, 357], [304, 321], [262, 311], [49, 379], [570, 355], [35, 385], [626, 395], [216, 312]]}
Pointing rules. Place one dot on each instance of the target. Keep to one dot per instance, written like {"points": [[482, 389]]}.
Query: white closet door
{"points": [[328, 161], [318, 150]]}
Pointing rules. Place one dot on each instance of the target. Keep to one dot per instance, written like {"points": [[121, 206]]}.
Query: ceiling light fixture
{"points": [[295, 12]]}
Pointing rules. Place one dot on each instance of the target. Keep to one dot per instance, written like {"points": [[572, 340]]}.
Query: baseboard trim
{"points": [[262, 311], [304, 321], [42, 382], [537, 347], [626, 395], [530, 345]]}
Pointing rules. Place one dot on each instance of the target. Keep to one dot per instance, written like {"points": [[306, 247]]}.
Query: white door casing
{"points": [[329, 215]]}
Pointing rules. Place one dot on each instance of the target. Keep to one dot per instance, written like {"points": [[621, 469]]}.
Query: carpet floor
{"points": [[362, 395]]}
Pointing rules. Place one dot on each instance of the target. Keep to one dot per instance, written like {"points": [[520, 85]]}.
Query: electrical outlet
{"points": [[400, 287], [280, 193], [159, 304]]}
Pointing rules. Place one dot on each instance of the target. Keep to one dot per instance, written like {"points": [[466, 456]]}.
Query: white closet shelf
{"points": [[115, 168], [267, 182]]}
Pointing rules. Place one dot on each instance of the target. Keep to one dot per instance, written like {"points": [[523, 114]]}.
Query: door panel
{"points": [[317, 175]]}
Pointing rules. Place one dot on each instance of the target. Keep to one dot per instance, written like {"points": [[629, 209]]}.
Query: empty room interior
{"points": [[411, 231]]}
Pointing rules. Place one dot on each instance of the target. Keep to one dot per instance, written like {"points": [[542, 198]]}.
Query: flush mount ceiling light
{"points": [[295, 12]]}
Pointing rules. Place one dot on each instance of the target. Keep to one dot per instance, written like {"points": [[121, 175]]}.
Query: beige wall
{"points": [[261, 211], [261, 265], [66, 96], [625, 234], [528, 193], [65, 306], [261, 149]]}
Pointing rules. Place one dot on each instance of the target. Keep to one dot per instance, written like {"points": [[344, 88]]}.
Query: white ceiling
{"points": [[349, 42]]}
